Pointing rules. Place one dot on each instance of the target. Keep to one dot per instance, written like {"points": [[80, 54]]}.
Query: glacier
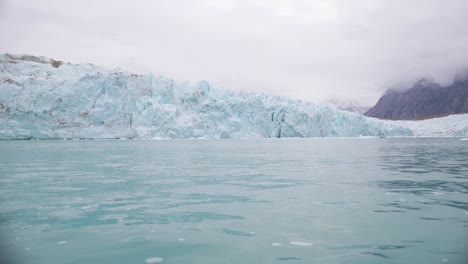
{"points": [[448, 126], [41, 98]]}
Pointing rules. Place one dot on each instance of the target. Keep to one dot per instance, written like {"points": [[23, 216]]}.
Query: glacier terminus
{"points": [[41, 98]]}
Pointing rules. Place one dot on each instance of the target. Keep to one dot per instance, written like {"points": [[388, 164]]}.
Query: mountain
{"points": [[425, 99], [350, 106]]}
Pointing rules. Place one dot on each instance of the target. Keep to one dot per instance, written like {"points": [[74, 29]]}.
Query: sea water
{"points": [[234, 201]]}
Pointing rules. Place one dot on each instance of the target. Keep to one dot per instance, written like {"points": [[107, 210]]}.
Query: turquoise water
{"points": [[235, 201]]}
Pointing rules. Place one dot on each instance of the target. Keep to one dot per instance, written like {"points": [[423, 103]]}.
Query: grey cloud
{"points": [[311, 50]]}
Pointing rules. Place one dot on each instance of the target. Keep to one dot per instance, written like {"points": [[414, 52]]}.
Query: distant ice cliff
{"points": [[41, 98]]}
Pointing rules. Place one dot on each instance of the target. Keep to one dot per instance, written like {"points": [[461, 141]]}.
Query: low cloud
{"points": [[311, 50]]}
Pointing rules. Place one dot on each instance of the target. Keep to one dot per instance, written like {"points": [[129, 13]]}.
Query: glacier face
{"points": [[41, 98]]}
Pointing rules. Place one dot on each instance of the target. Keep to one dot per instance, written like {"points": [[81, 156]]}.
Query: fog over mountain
{"points": [[425, 99], [351, 106]]}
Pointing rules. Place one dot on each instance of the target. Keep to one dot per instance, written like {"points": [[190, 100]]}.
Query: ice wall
{"points": [[41, 98]]}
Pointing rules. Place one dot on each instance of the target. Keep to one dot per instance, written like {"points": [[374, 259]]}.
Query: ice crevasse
{"points": [[41, 98]]}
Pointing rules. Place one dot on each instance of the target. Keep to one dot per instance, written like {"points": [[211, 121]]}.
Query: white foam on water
{"points": [[402, 200], [63, 242], [445, 260], [299, 243], [153, 260], [27, 249], [437, 193], [465, 139], [466, 213], [181, 239], [275, 244]]}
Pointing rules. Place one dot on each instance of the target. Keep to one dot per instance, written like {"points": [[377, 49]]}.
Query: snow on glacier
{"points": [[449, 126], [45, 99]]}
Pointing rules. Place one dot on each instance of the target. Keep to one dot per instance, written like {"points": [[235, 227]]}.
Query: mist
{"points": [[309, 50]]}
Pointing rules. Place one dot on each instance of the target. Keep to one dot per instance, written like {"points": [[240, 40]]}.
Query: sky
{"points": [[309, 50]]}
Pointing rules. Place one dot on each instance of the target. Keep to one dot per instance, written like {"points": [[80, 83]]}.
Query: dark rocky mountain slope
{"points": [[425, 99]]}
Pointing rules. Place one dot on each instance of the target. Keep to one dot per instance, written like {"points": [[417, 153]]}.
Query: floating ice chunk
{"points": [[63, 242], [276, 244], [299, 243], [153, 260]]}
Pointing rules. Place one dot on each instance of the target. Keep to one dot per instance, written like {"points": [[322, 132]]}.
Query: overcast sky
{"points": [[312, 50]]}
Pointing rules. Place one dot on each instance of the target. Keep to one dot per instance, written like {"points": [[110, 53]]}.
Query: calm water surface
{"points": [[235, 201]]}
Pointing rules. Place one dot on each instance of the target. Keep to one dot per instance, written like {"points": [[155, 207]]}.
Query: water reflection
{"points": [[436, 170], [376, 254], [436, 156], [386, 201]]}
